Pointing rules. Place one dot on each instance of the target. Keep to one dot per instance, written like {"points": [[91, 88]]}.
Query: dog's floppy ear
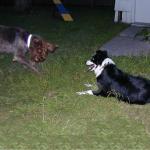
{"points": [[104, 53], [37, 41], [98, 51]]}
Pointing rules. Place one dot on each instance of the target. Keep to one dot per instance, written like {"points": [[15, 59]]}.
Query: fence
{"points": [[69, 2]]}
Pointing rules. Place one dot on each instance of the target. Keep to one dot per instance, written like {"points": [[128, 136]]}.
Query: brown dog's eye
{"points": [[39, 50]]}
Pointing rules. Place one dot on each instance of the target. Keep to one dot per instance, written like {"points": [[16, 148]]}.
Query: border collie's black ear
{"points": [[98, 51], [102, 52], [105, 53]]}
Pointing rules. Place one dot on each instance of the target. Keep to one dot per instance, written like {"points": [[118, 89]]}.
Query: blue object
{"points": [[61, 9]]}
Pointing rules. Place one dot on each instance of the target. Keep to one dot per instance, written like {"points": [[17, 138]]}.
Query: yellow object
{"points": [[62, 10], [67, 17], [57, 1]]}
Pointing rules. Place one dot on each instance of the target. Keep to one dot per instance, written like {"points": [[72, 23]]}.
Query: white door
{"points": [[142, 11]]}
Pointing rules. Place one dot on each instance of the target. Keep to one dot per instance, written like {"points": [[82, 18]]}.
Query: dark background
{"points": [[68, 2]]}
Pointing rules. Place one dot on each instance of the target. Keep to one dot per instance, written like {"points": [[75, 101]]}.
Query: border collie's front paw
{"points": [[79, 93], [89, 92], [88, 85]]}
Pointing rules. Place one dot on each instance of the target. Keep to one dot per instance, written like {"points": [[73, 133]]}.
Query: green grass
{"points": [[44, 112], [145, 34]]}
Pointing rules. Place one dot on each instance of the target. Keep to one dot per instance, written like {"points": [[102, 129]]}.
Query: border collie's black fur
{"points": [[114, 82]]}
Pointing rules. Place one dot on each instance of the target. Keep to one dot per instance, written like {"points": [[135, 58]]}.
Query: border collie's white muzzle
{"points": [[91, 65]]}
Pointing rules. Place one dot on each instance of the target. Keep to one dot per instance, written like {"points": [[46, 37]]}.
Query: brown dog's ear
{"points": [[37, 41], [51, 47]]}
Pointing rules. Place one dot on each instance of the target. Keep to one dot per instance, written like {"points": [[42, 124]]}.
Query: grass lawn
{"points": [[44, 113]]}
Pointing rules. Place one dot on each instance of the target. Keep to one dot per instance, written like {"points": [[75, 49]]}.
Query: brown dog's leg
{"points": [[23, 61]]}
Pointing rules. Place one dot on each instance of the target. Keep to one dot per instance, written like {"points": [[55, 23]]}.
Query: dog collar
{"points": [[98, 70], [29, 40]]}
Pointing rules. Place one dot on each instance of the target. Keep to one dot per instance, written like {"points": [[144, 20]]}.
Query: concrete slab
{"points": [[125, 44], [131, 31]]}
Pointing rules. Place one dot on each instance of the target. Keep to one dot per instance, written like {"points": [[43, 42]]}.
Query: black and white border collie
{"points": [[111, 81]]}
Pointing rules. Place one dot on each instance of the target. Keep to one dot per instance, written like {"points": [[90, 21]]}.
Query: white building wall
{"points": [[132, 11], [142, 11]]}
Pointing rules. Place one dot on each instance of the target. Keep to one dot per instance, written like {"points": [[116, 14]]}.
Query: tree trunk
{"points": [[22, 5]]}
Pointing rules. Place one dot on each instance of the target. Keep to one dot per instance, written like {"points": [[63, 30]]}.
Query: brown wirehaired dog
{"points": [[18, 42]]}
